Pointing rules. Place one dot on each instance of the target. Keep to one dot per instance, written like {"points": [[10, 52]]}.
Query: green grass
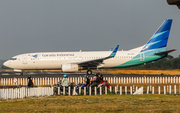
{"points": [[94, 104]]}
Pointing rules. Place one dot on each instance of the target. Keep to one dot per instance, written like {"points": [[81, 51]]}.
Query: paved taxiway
{"points": [[60, 74]]}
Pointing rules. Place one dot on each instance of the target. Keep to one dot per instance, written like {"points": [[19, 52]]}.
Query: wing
{"points": [[96, 62]]}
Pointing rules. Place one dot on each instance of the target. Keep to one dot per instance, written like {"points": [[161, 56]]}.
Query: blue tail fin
{"points": [[160, 37]]}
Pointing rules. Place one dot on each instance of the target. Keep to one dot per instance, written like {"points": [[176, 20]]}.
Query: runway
{"points": [[60, 74]]}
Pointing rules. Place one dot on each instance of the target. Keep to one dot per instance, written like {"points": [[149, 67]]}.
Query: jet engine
{"points": [[69, 67]]}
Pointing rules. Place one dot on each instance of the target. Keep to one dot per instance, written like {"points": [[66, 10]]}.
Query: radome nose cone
{"points": [[6, 63]]}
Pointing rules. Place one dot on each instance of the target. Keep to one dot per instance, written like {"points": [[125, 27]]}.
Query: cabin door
{"points": [[24, 60], [142, 57]]}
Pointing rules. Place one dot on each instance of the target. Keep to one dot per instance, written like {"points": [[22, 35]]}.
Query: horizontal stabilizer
{"points": [[165, 52]]}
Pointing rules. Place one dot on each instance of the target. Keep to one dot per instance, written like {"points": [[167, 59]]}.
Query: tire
{"points": [[89, 72]]}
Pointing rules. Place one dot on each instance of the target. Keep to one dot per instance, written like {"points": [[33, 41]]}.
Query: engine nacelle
{"points": [[70, 67]]}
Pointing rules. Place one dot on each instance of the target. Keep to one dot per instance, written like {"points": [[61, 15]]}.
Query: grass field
{"points": [[151, 72], [94, 104]]}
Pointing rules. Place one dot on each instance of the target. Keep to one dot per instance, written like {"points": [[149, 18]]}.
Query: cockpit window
{"points": [[13, 59]]}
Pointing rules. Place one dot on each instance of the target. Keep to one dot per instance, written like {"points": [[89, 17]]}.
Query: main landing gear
{"points": [[21, 73], [89, 72]]}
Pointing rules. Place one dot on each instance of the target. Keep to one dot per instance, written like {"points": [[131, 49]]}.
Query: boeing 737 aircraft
{"points": [[153, 50]]}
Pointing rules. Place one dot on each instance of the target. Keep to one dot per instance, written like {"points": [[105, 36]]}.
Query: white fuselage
{"points": [[54, 60]]}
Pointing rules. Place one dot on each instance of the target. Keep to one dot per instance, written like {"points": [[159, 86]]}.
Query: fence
{"points": [[76, 80], [47, 91], [166, 89], [25, 92]]}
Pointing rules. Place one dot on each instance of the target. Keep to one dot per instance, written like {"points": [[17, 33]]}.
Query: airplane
{"points": [[153, 50]]}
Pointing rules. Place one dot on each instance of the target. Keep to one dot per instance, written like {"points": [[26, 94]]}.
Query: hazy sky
{"points": [[71, 25]]}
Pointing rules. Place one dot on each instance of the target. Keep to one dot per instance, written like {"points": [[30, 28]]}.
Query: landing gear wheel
{"points": [[89, 72], [21, 73]]}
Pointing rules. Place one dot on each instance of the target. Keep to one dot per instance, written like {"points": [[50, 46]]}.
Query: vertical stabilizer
{"points": [[154, 49], [160, 37]]}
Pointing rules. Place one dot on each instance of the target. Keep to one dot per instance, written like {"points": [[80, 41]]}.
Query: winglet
{"points": [[114, 52]]}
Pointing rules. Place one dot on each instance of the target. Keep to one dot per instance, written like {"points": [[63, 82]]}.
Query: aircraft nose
{"points": [[7, 63]]}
